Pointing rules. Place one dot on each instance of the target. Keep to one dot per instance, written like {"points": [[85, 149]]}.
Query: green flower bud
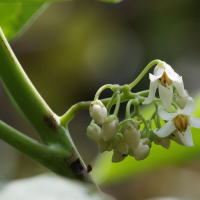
{"points": [[98, 112], [110, 127], [131, 134], [104, 146], [117, 157], [164, 142], [94, 132], [180, 101]]}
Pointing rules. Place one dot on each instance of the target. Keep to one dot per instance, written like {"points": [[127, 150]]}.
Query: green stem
{"points": [[157, 116], [23, 143], [128, 106], [151, 64], [24, 94], [117, 105], [101, 89], [111, 102]]}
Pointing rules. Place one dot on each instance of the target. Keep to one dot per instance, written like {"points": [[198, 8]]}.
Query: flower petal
{"points": [[166, 130], [194, 122], [172, 74], [165, 115], [152, 91], [159, 72], [189, 108], [166, 96], [186, 137], [180, 87]]}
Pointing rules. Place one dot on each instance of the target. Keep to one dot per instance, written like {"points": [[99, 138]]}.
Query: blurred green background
{"points": [[75, 47]]}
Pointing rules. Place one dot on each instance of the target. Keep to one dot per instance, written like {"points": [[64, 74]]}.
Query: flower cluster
{"points": [[134, 135], [179, 122], [124, 138]]}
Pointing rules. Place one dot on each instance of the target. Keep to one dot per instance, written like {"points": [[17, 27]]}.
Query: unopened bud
{"points": [[142, 150], [104, 146], [98, 111], [175, 136], [94, 132], [131, 134], [164, 142], [110, 127], [180, 101], [119, 144], [117, 157]]}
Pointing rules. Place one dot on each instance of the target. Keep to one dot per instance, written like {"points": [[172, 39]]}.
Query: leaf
{"points": [[13, 16], [106, 172], [49, 187]]}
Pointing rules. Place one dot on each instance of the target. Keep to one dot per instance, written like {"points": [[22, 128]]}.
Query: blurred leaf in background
{"points": [[14, 16]]}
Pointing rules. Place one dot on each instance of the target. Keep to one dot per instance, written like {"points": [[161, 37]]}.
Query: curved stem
{"points": [[101, 89], [151, 64], [117, 105], [128, 106]]}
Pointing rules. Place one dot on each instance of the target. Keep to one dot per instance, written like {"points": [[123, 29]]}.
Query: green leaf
{"points": [[106, 172], [13, 16]]}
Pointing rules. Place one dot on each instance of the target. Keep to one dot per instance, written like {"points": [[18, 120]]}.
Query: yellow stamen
{"points": [[165, 81], [181, 123]]}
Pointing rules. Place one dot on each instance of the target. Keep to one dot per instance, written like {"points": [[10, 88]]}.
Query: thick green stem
{"points": [[146, 69], [24, 94]]}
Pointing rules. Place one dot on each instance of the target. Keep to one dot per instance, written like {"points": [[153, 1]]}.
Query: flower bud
{"points": [[175, 136], [131, 152], [164, 142], [142, 150], [94, 132], [119, 144], [98, 112], [110, 127], [131, 134], [104, 146], [117, 157], [180, 101]]}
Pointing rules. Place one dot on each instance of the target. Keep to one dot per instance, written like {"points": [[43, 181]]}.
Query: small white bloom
{"points": [[180, 122], [98, 112], [163, 77], [142, 150], [110, 127], [117, 157], [131, 134], [94, 132]]}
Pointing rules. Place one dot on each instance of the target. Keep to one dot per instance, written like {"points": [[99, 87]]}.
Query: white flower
{"points": [[98, 112], [180, 122], [163, 77]]}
